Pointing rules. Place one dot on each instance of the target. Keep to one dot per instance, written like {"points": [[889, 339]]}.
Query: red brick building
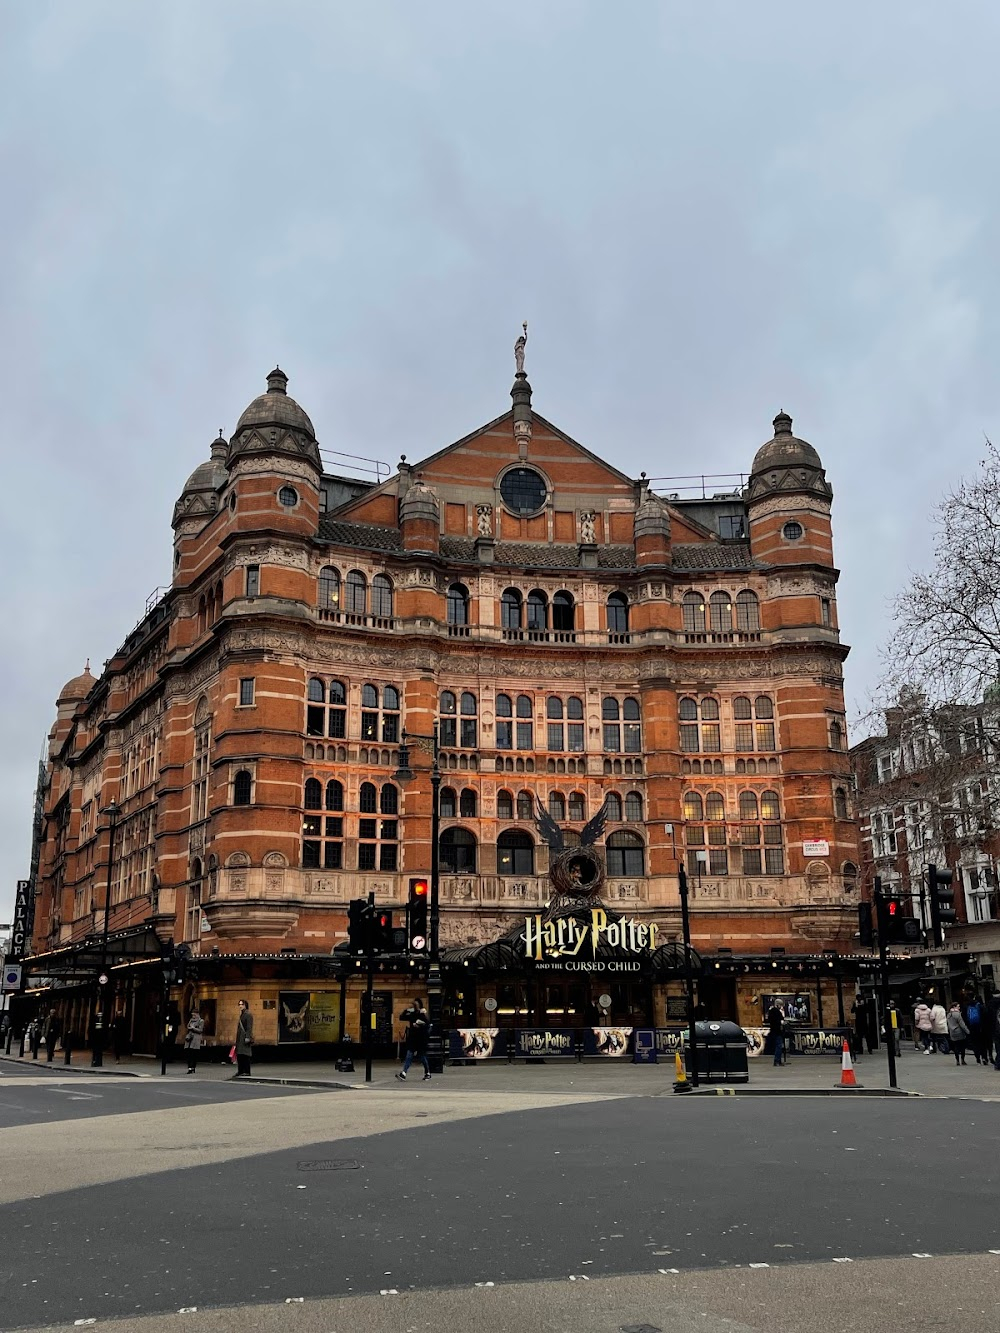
{"points": [[576, 638]]}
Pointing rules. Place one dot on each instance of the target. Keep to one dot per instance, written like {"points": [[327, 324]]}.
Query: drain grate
{"points": [[330, 1164]]}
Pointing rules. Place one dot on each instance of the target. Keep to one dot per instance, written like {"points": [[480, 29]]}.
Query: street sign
{"points": [[418, 942], [815, 847], [19, 930], [12, 976]]}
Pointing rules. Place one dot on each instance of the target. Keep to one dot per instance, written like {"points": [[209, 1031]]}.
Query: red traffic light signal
{"points": [[419, 888], [416, 912], [893, 907]]}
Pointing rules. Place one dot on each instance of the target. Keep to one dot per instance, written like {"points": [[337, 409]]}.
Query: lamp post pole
{"points": [[101, 1000], [435, 996], [682, 881]]}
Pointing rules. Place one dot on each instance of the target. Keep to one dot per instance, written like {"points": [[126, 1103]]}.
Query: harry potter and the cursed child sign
{"points": [[574, 943]]}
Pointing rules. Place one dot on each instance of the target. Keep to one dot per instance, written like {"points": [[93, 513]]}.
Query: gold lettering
{"points": [[549, 936], [598, 924], [579, 934], [641, 935], [652, 937], [533, 937]]}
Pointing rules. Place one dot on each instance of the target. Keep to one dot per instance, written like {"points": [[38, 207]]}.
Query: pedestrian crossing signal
{"points": [[416, 916]]}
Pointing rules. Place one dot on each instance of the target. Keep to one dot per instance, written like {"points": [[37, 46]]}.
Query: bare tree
{"points": [[947, 621]]}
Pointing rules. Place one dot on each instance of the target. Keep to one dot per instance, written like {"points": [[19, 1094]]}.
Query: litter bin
{"points": [[721, 1052]]}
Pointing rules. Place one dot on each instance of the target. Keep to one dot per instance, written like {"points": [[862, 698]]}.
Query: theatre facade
{"points": [[646, 669]]}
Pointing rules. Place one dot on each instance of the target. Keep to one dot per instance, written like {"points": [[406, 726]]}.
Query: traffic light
{"points": [[865, 934], [942, 896], [416, 916], [357, 917], [897, 925], [384, 933]]}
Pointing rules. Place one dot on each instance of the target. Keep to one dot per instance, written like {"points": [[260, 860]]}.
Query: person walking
{"points": [[974, 1013], [939, 1027], [244, 1041], [776, 1032], [119, 1037], [958, 1032], [416, 1039], [53, 1028], [35, 1037], [193, 1038], [923, 1025]]}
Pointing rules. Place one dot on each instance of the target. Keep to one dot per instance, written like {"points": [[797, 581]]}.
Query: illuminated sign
{"points": [[565, 938]]}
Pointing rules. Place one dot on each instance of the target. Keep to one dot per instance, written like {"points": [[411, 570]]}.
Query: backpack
{"points": [[973, 1016]]}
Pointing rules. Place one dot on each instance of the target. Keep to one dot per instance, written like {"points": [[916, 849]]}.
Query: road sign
{"points": [[12, 976]]}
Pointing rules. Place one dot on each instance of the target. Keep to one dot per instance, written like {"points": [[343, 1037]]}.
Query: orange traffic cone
{"points": [[847, 1078]]}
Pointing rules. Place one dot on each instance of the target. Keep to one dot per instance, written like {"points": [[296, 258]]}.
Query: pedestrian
{"points": [[35, 1037], [416, 1038], [974, 1013], [923, 1025], [939, 1027], [958, 1032], [244, 1041], [192, 1038], [119, 1037], [863, 1022], [53, 1027], [776, 1033]]}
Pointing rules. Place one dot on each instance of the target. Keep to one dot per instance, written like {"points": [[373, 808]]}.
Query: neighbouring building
{"points": [[578, 640], [927, 793]]}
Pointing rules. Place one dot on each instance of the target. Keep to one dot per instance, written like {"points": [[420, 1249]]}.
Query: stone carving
{"points": [[275, 861], [519, 346], [238, 861], [587, 533], [484, 520]]}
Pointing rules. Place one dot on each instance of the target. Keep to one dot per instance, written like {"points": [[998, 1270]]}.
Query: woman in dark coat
{"points": [[244, 1041], [193, 1039]]}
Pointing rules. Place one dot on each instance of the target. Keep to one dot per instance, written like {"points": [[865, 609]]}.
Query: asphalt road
{"points": [[592, 1191]]}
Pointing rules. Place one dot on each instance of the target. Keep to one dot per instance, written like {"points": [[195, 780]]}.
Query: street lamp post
{"points": [[682, 881], [435, 1041], [113, 810]]}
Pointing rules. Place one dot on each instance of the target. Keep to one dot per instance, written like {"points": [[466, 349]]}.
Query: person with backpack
{"points": [[416, 1039], [974, 1013], [958, 1032], [923, 1025]]}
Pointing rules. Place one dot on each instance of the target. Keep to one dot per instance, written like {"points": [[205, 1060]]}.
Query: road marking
{"points": [[668, 1270], [843, 1261], [295, 1300], [758, 1265], [919, 1254], [188, 1309], [388, 1291], [76, 1096], [485, 1284]]}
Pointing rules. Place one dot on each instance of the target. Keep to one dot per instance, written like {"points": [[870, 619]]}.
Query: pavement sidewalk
{"points": [[918, 1074]]}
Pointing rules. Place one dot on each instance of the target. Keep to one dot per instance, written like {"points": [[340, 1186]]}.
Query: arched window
{"points": [[693, 609], [538, 609], [369, 696], [625, 855], [710, 710], [368, 799], [741, 709], [553, 708], [693, 808], [523, 705], [448, 702], [525, 805], [836, 734], [382, 596], [763, 706], [389, 799], [242, 788], [458, 604], [563, 617], [505, 805], [748, 805], [610, 710], [849, 874], [747, 612], [613, 807], [574, 709], [687, 712], [467, 803], [715, 806], [357, 592], [446, 803], [633, 807], [630, 711], [338, 695], [510, 609], [390, 699], [504, 726], [840, 803], [317, 693], [334, 795], [314, 794], [720, 612], [329, 589], [577, 806], [457, 848], [557, 806], [515, 853], [468, 704], [617, 613], [504, 708], [769, 805]]}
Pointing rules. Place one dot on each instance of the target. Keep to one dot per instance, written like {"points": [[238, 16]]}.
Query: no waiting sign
{"points": [[12, 976]]}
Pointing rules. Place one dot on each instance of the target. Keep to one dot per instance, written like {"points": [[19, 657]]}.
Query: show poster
{"points": [[323, 1023], [477, 1044], [293, 1016], [794, 1008], [546, 1043], [611, 1043]]}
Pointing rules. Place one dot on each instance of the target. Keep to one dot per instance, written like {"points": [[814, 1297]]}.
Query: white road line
{"points": [[843, 1261], [78, 1096], [919, 1254], [758, 1265]]}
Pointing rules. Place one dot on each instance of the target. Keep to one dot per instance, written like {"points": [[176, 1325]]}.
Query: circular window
{"points": [[288, 496], [523, 490], [792, 531]]}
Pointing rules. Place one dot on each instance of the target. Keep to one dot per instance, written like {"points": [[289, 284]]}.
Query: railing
{"points": [[458, 631], [724, 637], [359, 618], [617, 636]]}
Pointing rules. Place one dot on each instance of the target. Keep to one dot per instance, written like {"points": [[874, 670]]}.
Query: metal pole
{"points": [[883, 957], [97, 1050], [682, 881], [369, 994], [164, 1009], [435, 1042]]}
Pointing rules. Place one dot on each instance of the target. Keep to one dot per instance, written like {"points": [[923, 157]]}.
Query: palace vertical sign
{"points": [[19, 931]]}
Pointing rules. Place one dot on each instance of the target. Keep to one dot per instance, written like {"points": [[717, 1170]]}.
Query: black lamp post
{"points": [[113, 810], [435, 1041], [682, 882]]}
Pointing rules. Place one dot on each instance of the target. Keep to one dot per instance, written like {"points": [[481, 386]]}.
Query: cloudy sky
{"points": [[706, 212]]}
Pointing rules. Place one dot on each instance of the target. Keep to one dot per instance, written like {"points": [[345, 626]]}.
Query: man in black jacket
{"points": [[776, 1032], [416, 1039]]}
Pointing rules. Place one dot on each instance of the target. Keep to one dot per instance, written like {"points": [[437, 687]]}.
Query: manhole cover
{"points": [[329, 1164]]}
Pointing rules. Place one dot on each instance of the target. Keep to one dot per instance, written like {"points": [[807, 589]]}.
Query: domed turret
{"points": [[275, 423], [787, 463], [77, 688], [200, 494]]}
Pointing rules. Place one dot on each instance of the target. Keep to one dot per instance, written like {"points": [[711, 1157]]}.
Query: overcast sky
{"points": [[706, 212]]}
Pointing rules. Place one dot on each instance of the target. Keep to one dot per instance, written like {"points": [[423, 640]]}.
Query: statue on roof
{"points": [[519, 349]]}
